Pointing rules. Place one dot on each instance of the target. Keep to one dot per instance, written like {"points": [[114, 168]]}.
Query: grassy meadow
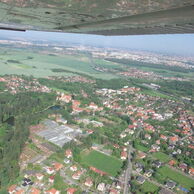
{"points": [[182, 180], [102, 162]]}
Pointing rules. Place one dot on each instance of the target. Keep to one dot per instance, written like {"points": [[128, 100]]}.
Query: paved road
{"points": [[128, 170]]}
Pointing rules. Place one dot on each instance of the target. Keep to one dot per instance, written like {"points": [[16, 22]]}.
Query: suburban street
{"points": [[128, 170]]}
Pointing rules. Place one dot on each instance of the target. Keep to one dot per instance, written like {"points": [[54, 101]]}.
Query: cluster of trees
{"points": [[75, 88], [178, 88], [24, 109], [2, 86], [112, 84]]}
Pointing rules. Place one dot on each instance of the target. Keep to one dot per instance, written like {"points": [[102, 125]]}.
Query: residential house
{"points": [[157, 164], [148, 136], [163, 137], [12, 189], [57, 166], [158, 142], [51, 179], [116, 146], [148, 173], [76, 176], [156, 147], [118, 185], [113, 191], [123, 155], [140, 179], [66, 161], [39, 176], [101, 187], [183, 167], [165, 191], [52, 191], [122, 135], [173, 140], [170, 184], [71, 190], [20, 191], [88, 182], [93, 106], [141, 155], [89, 131], [139, 169], [50, 170], [172, 162], [191, 171], [68, 153], [61, 120], [35, 191], [73, 168]]}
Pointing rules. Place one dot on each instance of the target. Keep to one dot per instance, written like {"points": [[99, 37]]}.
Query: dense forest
{"points": [[178, 88], [17, 113]]}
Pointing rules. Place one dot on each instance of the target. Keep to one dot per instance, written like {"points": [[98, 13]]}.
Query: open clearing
{"points": [[102, 162], [141, 148], [149, 187], [161, 156], [184, 181]]}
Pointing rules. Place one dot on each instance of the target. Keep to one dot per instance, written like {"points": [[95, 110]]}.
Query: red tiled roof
{"points": [[191, 146], [53, 191], [191, 171], [68, 152], [123, 154], [12, 188], [35, 191], [98, 171], [174, 139], [58, 166], [71, 190], [21, 191], [172, 162]]}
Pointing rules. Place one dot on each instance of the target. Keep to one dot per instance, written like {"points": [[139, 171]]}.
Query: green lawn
{"points": [[161, 156], [102, 162], [184, 181], [141, 148], [149, 187]]}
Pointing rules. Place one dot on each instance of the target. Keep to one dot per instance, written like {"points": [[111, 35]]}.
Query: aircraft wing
{"points": [[102, 17]]}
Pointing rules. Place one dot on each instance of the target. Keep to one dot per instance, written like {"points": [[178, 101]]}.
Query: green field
{"points": [[102, 162], [161, 156], [39, 64], [184, 181], [149, 187], [141, 148]]}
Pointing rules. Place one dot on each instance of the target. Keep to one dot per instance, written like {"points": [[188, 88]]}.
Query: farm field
{"points": [[184, 181], [20, 61], [102, 162], [161, 156]]}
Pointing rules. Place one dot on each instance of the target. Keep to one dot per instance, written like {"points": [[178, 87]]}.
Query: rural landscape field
{"points": [[40, 64]]}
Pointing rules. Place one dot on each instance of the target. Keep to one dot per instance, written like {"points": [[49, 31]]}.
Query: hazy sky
{"points": [[181, 44]]}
